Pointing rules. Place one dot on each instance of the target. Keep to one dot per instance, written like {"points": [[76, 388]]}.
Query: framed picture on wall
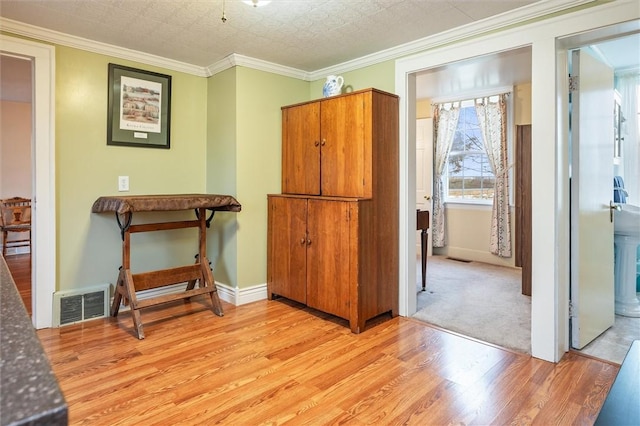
{"points": [[139, 109]]}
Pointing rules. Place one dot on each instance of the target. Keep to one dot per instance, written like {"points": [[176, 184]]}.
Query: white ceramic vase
{"points": [[333, 86]]}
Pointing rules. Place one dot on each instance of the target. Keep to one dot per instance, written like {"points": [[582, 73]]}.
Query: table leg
{"points": [[117, 295], [192, 283], [133, 303], [207, 276], [423, 246]]}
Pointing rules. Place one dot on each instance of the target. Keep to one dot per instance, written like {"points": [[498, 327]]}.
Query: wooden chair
{"points": [[15, 216]]}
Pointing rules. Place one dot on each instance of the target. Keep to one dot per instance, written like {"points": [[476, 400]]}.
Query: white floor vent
{"points": [[70, 307]]}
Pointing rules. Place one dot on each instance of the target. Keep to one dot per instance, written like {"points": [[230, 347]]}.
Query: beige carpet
{"points": [[477, 300]]}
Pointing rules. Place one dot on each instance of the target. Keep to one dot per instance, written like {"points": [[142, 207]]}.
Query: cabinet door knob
{"points": [[316, 143], [324, 141], [308, 242], [302, 241]]}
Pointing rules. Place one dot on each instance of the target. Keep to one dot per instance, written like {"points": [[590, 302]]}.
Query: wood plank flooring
{"points": [[276, 362], [20, 269]]}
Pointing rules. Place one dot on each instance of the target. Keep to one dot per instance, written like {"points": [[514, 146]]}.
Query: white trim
{"points": [[549, 317], [464, 32], [468, 205], [240, 60], [483, 26], [229, 294], [56, 37], [472, 95], [242, 296], [43, 266]]}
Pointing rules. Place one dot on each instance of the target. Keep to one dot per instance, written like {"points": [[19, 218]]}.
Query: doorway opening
{"points": [[43, 217], [468, 219], [16, 156], [601, 68]]}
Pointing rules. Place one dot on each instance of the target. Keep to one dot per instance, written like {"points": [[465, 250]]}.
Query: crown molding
{"points": [[514, 17], [518, 16], [42, 34], [235, 59]]}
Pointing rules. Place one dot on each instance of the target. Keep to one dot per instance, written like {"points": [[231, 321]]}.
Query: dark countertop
{"points": [[29, 391], [622, 406]]}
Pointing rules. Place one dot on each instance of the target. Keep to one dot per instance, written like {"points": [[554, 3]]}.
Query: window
{"points": [[469, 175]]}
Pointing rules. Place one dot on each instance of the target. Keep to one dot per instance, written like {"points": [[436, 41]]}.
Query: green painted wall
{"points": [[380, 76], [89, 245], [222, 173], [225, 138], [260, 96], [244, 159]]}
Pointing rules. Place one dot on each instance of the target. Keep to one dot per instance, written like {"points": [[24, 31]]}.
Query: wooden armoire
{"points": [[333, 232]]}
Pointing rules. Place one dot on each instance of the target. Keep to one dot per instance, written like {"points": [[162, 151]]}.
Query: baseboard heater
{"points": [[457, 259], [70, 307]]}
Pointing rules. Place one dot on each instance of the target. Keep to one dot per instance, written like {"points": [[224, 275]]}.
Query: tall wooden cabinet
{"points": [[333, 232]]}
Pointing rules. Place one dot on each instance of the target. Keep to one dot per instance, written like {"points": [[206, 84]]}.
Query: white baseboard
{"points": [[12, 251], [227, 293], [242, 296]]}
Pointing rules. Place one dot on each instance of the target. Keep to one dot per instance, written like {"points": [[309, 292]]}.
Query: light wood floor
{"points": [[20, 269], [274, 362]]}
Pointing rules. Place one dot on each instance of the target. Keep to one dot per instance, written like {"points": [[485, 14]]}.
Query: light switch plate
{"points": [[123, 183]]}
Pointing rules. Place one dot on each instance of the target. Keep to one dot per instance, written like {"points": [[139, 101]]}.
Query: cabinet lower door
{"points": [[287, 275], [328, 256]]}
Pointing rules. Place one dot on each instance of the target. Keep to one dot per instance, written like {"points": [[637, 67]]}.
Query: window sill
{"points": [[470, 205]]}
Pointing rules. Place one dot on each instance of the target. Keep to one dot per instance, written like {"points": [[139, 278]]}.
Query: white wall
{"points": [[15, 149]]}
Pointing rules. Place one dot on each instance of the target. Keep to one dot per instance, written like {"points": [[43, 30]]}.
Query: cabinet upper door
{"points": [[287, 240], [345, 153], [329, 256], [301, 149]]}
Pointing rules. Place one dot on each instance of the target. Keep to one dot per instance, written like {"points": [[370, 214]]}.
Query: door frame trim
{"points": [[43, 272]]}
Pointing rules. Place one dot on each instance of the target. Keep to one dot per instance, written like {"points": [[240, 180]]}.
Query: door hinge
{"points": [[574, 83], [571, 309]]}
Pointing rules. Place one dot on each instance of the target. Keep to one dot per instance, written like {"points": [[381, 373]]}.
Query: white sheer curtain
{"points": [[445, 121], [492, 118], [628, 87]]}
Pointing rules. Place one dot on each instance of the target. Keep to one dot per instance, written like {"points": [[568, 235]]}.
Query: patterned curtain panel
{"points": [[445, 121], [492, 117]]}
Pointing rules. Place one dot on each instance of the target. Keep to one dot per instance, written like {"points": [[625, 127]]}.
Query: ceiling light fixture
{"points": [[257, 3], [254, 3]]}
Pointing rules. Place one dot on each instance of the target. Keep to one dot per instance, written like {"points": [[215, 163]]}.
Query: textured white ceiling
{"points": [[304, 34]]}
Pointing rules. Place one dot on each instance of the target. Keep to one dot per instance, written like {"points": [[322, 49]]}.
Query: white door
{"points": [[424, 171], [592, 291]]}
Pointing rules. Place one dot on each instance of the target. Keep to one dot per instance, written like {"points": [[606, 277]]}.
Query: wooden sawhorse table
{"points": [[200, 272]]}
